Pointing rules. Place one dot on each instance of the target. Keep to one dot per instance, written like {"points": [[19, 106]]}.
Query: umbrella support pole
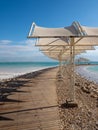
{"points": [[72, 98]]}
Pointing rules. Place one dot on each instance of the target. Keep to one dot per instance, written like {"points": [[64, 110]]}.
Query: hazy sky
{"points": [[16, 17]]}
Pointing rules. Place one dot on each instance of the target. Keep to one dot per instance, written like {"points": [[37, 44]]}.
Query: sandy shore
{"points": [[34, 102]]}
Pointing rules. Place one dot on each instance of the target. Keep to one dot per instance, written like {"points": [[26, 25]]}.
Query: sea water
{"points": [[90, 72], [93, 68], [12, 69]]}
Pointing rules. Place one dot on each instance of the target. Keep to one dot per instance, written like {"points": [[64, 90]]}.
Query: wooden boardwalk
{"points": [[34, 105]]}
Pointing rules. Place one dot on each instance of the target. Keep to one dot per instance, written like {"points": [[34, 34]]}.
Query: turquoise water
{"points": [[93, 68], [89, 62], [26, 64], [11, 69]]}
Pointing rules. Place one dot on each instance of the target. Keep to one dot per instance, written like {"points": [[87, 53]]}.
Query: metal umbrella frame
{"points": [[64, 43]]}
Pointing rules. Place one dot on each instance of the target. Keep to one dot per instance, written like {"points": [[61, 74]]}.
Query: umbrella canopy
{"points": [[55, 41], [64, 43]]}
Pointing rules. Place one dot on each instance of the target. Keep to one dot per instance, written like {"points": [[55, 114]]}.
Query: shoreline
{"points": [[9, 76], [30, 102], [87, 74], [25, 85], [80, 71], [9, 85]]}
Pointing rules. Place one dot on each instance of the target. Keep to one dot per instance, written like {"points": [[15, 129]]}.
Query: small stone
{"points": [[85, 89], [96, 123]]}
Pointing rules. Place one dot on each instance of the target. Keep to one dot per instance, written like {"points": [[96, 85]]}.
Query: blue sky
{"points": [[16, 17]]}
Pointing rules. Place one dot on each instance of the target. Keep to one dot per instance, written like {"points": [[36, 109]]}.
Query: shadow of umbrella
{"points": [[2, 118], [9, 100]]}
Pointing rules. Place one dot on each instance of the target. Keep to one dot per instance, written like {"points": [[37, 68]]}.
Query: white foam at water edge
{"points": [[8, 75], [84, 72]]}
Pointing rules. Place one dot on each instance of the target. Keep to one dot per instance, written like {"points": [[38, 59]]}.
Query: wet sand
{"points": [[34, 102]]}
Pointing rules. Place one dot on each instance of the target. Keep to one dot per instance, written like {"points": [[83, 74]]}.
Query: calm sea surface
{"points": [[93, 68], [11, 69]]}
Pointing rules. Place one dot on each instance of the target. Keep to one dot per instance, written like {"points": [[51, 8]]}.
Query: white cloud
{"points": [[96, 47], [30, 41], [5, 41], [25, 49], [22, 50], [26, 45], [91, 55]]}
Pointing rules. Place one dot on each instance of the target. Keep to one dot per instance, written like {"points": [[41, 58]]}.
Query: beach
{"points": [[34, 102], [13, 69]]}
